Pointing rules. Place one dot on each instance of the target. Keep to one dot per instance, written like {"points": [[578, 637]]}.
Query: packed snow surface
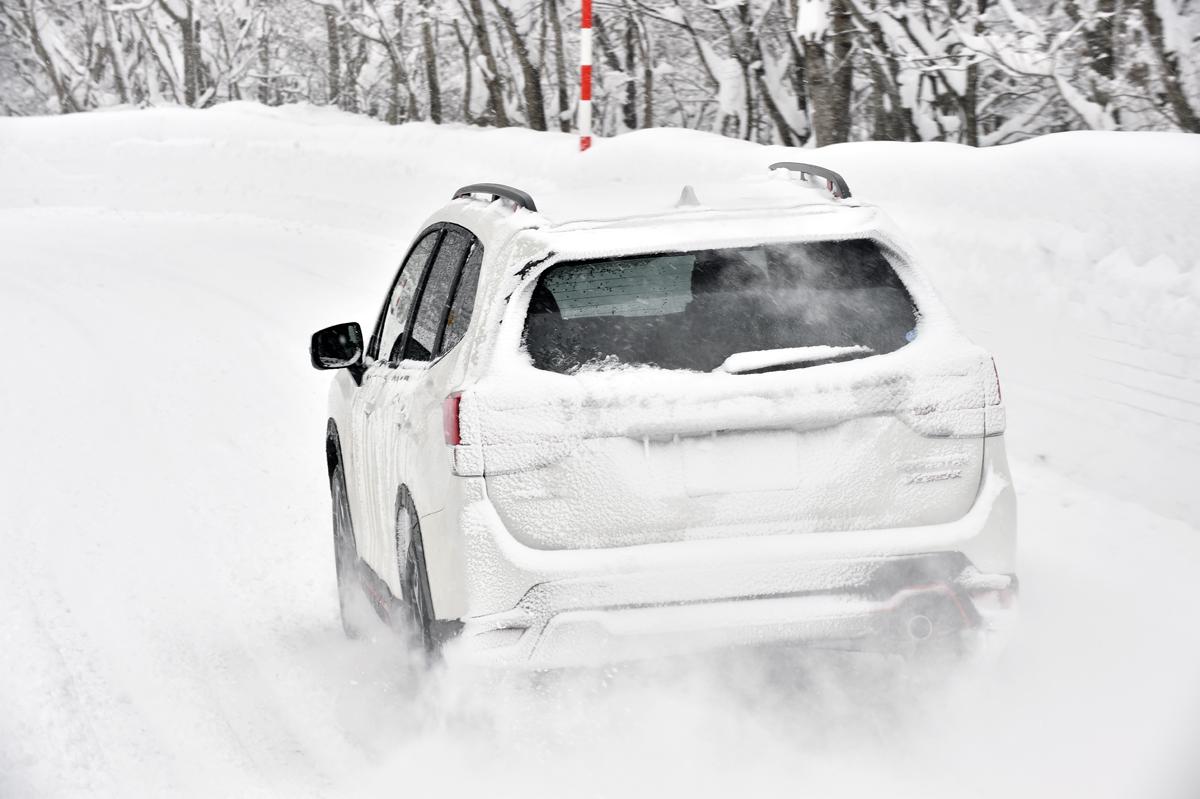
{"points": [[167, 610]]}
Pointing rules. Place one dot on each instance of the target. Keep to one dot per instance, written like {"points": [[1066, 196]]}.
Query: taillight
{"points": [[450, 419]]}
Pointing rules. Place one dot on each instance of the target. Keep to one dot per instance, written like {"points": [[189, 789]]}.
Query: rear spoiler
{"points": [[833, 181]]}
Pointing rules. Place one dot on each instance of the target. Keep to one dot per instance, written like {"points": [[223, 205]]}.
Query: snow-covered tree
{"points": [[786, 71]]}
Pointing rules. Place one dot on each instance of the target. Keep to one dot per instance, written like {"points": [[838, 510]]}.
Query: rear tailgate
{"points": [[764, 389], [623, 457]]}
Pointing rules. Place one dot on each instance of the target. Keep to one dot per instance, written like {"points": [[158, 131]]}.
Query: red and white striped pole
{"points": [[585, 76]]}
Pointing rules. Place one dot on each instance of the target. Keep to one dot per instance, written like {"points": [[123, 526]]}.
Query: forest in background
{"points": [[792, 72]]}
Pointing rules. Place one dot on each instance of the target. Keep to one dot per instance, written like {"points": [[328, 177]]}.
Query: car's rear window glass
{"points": [[693, 310], [635, 287]]}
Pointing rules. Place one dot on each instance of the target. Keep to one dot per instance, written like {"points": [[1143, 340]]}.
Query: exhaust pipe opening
{"points": [[920, 627]]}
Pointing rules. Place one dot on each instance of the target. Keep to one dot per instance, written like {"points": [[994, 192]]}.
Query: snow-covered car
{"points": [[570, 442]]}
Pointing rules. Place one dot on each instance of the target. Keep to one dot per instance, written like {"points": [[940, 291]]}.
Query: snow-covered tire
{"points": [[345, 553], [416, 603]]}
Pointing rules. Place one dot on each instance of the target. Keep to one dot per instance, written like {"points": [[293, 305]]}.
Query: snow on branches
{"points": [[784, 71]]}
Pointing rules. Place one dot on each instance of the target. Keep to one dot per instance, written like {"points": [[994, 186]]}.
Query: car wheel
{"points": [[345, 554], [417, 606]]}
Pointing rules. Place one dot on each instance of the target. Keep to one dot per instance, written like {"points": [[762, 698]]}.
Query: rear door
{"points": [[373, 446], [396, 430]]}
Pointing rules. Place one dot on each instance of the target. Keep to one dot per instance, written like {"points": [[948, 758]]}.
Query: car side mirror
{"points": [[337, 347]]}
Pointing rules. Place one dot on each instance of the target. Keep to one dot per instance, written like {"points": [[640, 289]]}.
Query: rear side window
{"points": [[435, 296], [464, 299], [395, 313], [823, 301]]}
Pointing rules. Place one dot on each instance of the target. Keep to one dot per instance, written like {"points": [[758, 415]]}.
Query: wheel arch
{"points": [[404, 501], [333, 457], [333, 446], [441, 629]]}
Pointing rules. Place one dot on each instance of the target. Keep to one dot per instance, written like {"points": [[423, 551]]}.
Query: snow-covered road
{"points": [[167, 611]]}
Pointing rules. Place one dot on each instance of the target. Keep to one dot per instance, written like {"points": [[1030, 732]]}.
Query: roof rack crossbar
{"points": [[836, 183], [497, 190]]}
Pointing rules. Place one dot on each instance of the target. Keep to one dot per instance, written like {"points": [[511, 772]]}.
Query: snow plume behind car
{"points": [[167, 608]]}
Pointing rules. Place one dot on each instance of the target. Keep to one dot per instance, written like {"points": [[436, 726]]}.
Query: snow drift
{"points": [[167, 610]]}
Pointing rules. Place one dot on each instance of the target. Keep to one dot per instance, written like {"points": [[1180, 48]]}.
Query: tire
{"points": [[345, 553], [416, 616]]}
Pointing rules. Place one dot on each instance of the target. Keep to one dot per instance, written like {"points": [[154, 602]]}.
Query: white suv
{"points": [[582, 441]]}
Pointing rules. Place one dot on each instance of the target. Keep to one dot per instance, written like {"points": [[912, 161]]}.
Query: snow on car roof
{"points": [[655, 202], [648, 219], [707, 227]]}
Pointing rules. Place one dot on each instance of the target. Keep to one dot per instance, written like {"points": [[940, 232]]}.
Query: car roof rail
{"points": [[834, 182], [497, 190]]}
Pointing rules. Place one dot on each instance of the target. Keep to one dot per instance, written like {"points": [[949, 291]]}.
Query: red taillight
{"points": [[450, 419]]}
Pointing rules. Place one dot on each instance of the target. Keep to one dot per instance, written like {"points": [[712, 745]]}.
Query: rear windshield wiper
{"points": [[792, 357]]}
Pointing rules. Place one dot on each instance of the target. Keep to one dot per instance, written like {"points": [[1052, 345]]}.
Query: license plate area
{"points": [[741, 462]]}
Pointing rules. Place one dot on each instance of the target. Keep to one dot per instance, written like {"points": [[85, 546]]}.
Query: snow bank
{"points": [[1074, 257], [167, 614]]}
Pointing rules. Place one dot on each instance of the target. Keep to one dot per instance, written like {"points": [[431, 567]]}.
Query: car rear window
{"points": [[820, 301]]}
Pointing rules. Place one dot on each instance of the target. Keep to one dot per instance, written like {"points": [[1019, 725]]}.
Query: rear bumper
{"points": [[887, 604], [859, 588]]}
